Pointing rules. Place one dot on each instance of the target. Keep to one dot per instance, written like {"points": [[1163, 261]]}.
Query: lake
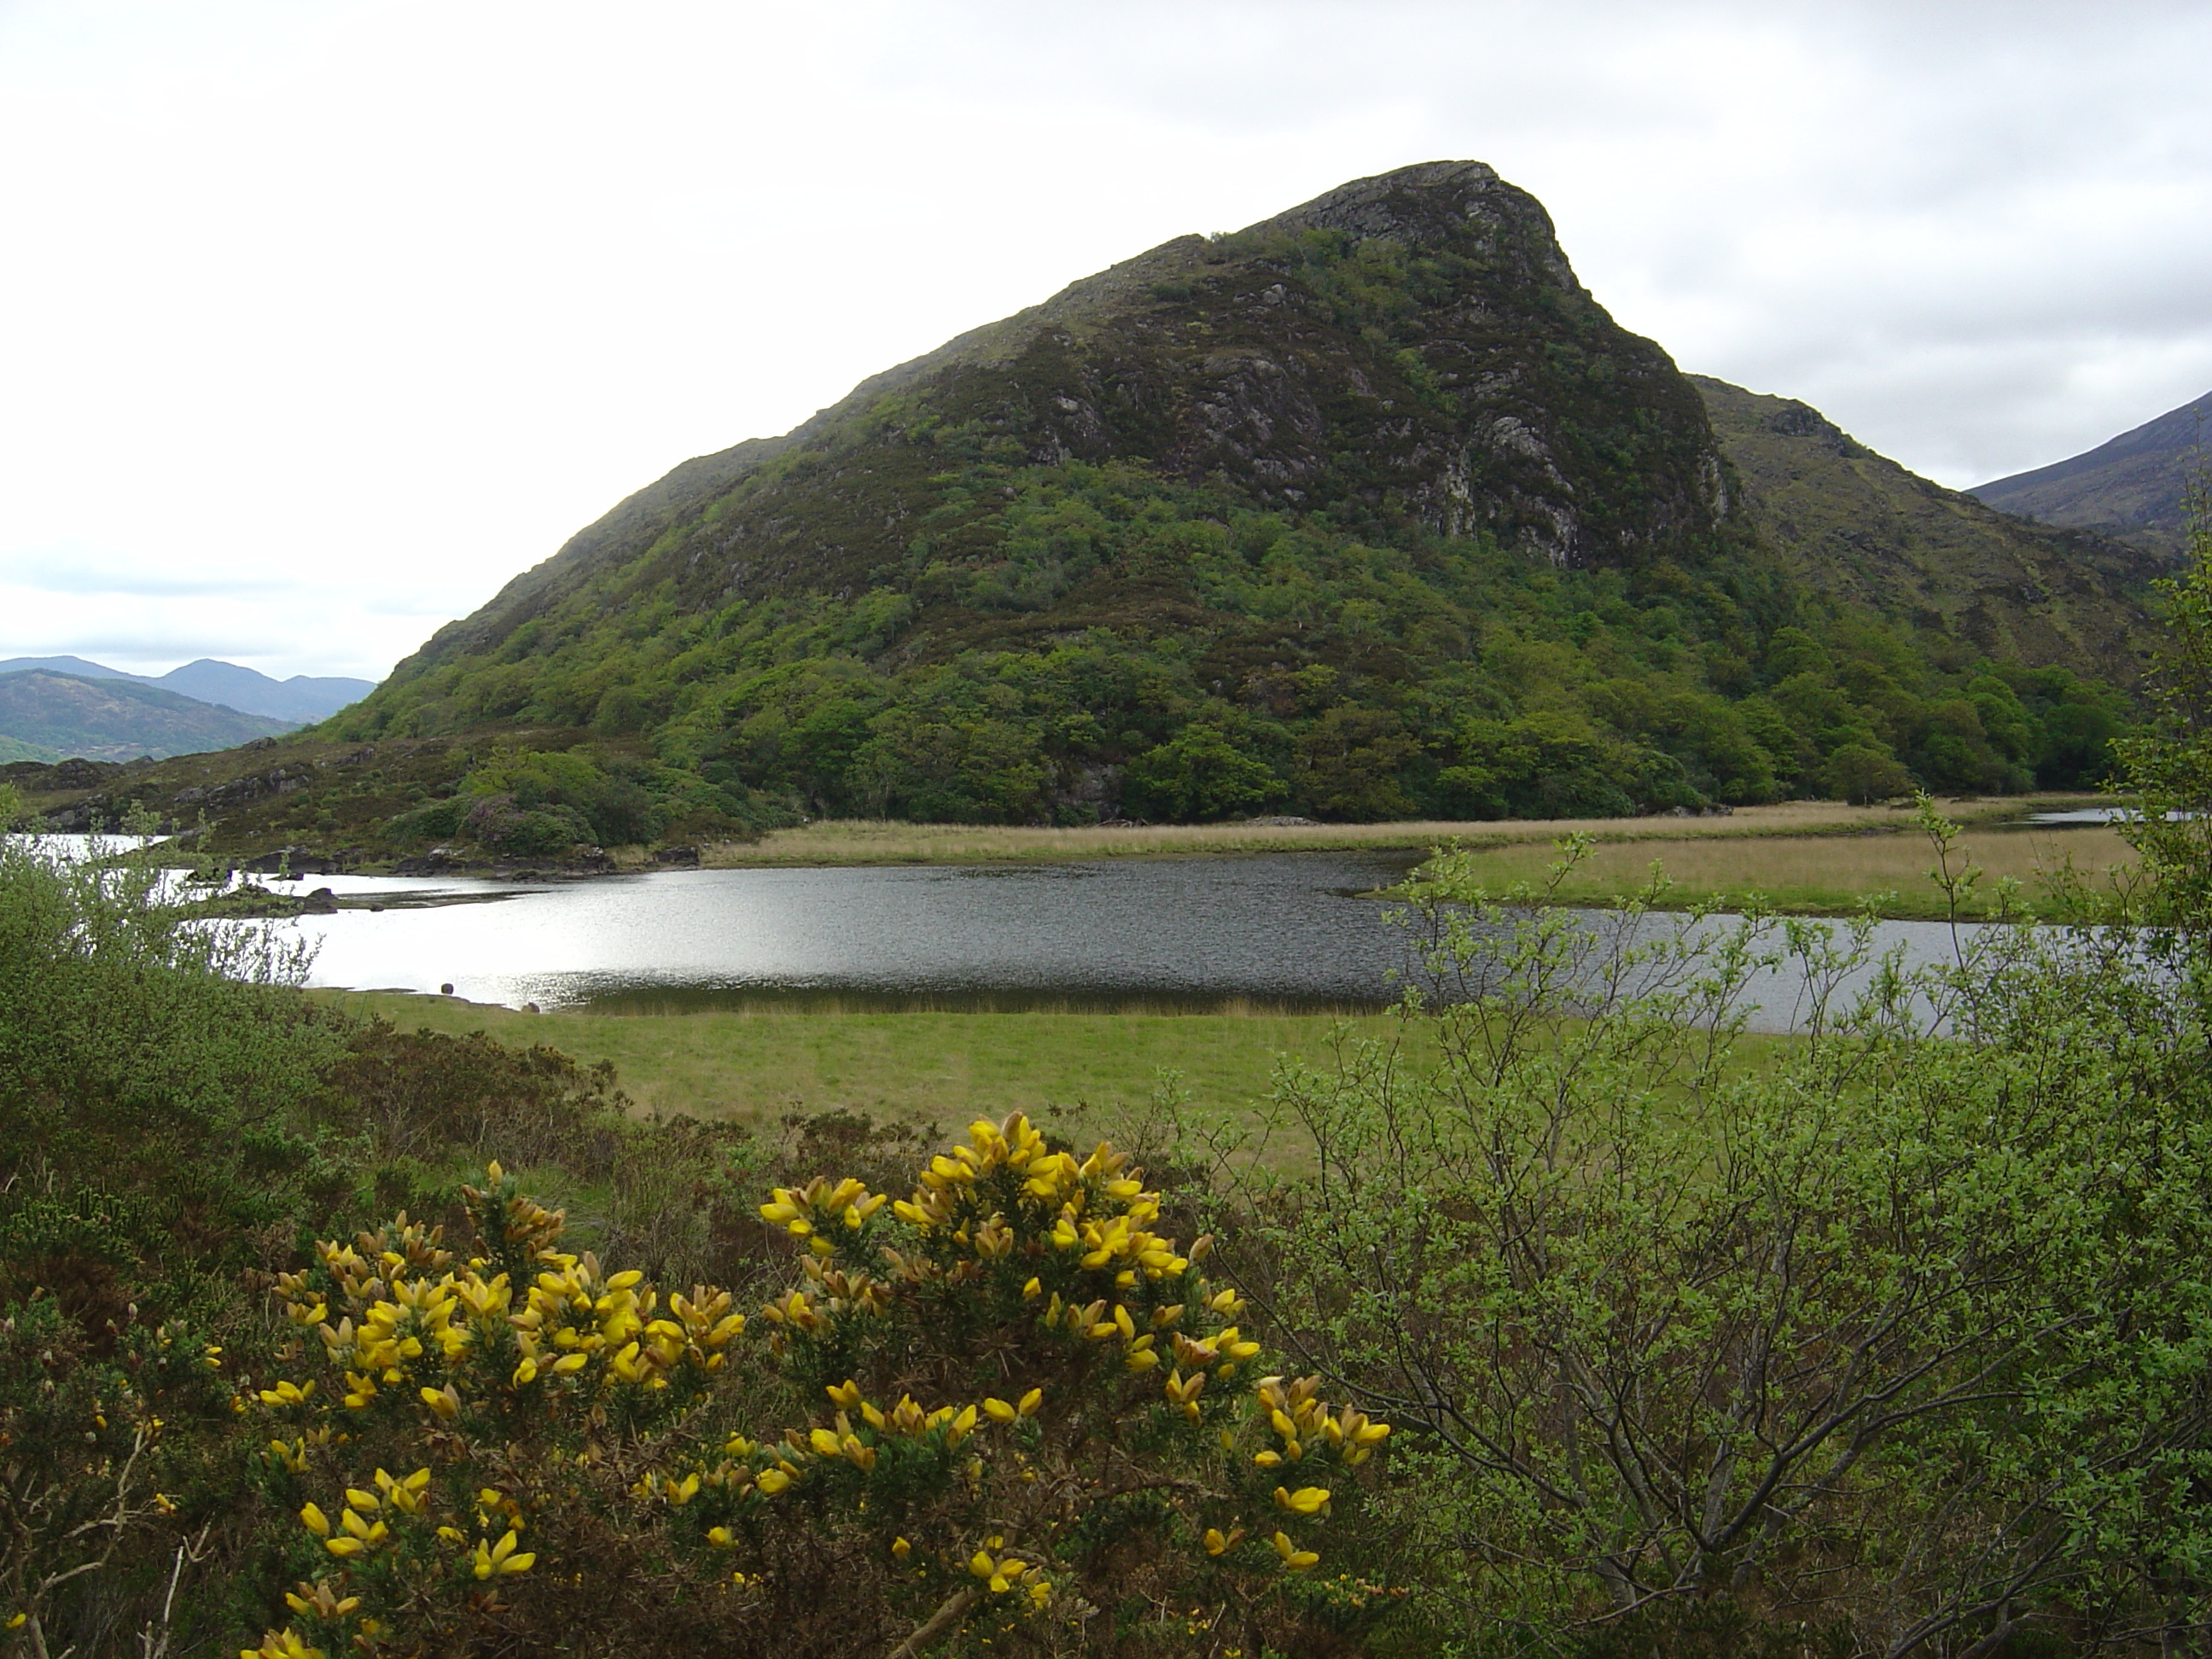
{"points": [[1294, 931]]}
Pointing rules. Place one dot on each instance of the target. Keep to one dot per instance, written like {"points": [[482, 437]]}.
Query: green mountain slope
{"points": [[116, 719], [14, 749], [2134, 486], [1368, 511], [1861, 530]]}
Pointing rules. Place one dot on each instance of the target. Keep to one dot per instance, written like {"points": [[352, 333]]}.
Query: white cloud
{"points": [[324, 319]]}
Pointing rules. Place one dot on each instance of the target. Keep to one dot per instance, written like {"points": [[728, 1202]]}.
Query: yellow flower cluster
{"points": [[360, 1523], [282, 1644], [812, 1212], [1301, 1420], [842, 1440], [1089, 1227], [1063, 1260], [1000, 1573], [404, 1303]]}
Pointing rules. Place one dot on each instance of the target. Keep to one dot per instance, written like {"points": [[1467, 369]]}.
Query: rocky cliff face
{"points": [[1412, 349]]}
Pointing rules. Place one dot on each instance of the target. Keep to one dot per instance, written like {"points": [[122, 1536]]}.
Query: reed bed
{"points": [[852, 842], [1823, 874]]}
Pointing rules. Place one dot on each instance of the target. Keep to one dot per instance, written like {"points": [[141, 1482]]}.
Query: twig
{"points": [[940, 1622]]}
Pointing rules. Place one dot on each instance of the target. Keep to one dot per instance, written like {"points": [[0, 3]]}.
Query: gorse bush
{"points": [[1022, 1412]]}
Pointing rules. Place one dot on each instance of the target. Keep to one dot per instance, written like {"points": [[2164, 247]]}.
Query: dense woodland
{"points": [[1320, 672]]}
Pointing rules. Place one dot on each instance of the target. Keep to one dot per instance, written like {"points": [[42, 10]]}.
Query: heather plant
{"points": [[1004, 1411]]}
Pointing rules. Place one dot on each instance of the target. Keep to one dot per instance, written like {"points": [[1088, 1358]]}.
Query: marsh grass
{"points": [[855, 840], [1819, 875]]}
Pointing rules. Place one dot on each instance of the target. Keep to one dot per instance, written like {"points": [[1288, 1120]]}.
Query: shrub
{"points": [[1899, 1329], [1020, 1411]]}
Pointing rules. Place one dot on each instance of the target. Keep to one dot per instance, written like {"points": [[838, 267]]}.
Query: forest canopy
{"points": [[1290, 662]]}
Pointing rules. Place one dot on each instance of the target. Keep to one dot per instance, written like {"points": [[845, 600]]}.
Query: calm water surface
{"points": [[1292, 931]]}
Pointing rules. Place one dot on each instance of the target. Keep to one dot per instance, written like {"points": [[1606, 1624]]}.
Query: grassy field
{"points": [[1079, 1073], [849, 840], [1816, 875], [946, 1068]]}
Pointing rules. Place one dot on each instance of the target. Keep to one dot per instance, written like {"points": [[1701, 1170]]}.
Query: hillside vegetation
{"points": [[1368, 511], [1859, 530]]}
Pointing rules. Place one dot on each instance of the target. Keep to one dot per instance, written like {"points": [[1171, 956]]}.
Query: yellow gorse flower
{"points": [[281, 1644], [1073, 1250], [493, 1560]]}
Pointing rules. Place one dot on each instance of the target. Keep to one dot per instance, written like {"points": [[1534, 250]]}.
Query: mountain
{"points": [[1863, 530], [113, 718], [299, 700], [2133, 485], [1370, 510], [13, 751]]}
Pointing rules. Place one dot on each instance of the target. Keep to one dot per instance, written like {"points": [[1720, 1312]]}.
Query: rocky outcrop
{"points": [[1416, 343]]}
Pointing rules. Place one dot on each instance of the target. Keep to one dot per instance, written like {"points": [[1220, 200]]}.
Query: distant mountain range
{"points": [[2132, 486], [301, 700], [48, 716]]}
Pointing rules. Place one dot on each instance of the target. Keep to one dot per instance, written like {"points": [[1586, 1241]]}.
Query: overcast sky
{"points": [[321, 318]]}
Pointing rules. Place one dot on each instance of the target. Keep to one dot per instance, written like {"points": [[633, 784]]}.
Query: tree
{"points": [[1864, 775], [1897, 1332], [1197, 775]]}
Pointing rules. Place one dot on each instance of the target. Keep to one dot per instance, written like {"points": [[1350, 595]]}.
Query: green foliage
{"points": [[1197, 775], [528, 803], [1344, 669], [1903, 1336], [150, 1077], [2168, 768]]}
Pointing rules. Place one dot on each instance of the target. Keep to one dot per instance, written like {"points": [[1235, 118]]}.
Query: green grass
{"points": [[946, 1068], [1077, 1073], [1818, 874]]}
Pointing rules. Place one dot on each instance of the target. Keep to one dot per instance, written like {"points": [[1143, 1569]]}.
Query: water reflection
{"points": [[1303, 932], [1295, 930]]}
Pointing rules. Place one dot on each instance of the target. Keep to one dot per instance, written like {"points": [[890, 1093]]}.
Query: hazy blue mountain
{"points": [[115, 717], [2132, 485], [303, 700], [77, 666]]}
